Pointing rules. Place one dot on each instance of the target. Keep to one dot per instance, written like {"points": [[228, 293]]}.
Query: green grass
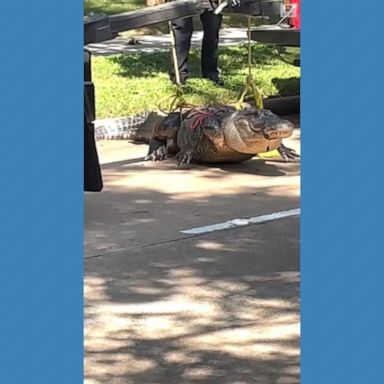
{"points": [[127, 84], [110, 7]]}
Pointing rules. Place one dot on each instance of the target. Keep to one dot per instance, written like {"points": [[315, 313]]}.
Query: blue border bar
{"points": [[41, 214], [41, 211], [342, 196]]}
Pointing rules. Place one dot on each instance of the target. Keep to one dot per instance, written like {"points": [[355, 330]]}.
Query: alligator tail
{"points": [[123, 128]]}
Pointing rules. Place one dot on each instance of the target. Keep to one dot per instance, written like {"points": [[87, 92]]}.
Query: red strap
{"points": [[199, 118]]}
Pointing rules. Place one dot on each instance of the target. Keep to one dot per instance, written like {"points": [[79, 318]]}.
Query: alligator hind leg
{"points": [[164, 137], [157, 150], [287, 153]]}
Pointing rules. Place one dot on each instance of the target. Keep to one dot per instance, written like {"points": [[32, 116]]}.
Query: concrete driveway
{"points": [[166, 307], [154, 43]]}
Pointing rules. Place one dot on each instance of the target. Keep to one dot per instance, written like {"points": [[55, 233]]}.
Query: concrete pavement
{"points": [[163, 307], [153, 43]]}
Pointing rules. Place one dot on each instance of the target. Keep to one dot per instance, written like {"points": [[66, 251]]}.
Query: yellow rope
{"points": [[174, 54], [249, 82], [177, 100], [256, 93]]}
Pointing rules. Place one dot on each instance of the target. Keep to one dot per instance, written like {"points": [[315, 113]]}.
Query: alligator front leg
{"points": [[188, 139], [187, 144], [287, 153], [157, 150]]}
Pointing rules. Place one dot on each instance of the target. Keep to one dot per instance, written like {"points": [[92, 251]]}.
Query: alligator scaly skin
{"points": [[121, 128], [219, 134]]}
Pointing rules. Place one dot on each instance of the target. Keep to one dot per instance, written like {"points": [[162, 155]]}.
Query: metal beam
{"points": [[153, 15], [289, 37], [98, 28]]}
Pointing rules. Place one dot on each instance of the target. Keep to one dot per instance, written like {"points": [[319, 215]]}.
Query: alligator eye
{"points": [[242, 123], [249, 112]]}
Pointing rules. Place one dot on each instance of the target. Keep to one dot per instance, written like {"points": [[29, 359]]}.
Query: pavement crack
{"points": [[170, 241], [138, 247]]}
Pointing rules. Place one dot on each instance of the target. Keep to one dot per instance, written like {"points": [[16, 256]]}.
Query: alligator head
{"points": [[254, 131]]}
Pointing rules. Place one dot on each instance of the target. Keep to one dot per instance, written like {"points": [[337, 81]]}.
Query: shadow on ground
{"points": [[163, 307], [167, 321]]}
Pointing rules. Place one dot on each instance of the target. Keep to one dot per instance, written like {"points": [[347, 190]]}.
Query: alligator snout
{"points": [[280, 130]]}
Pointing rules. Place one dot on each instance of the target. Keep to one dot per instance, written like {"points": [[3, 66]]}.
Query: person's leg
{"points": [[182, 29], [210, 49]]}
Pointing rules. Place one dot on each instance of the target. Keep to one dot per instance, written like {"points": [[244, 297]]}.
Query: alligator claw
{"points": [[287, 153], [184, 158], [158, 154]]}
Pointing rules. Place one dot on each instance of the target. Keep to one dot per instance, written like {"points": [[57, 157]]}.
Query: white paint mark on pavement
{"points": [[242, 222]]}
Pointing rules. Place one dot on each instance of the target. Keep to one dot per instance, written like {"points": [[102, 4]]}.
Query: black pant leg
{"points": [[182, 29], [210, 49]]}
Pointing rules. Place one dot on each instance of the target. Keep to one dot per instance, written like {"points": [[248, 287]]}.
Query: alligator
{"points": [[219, 134]]}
